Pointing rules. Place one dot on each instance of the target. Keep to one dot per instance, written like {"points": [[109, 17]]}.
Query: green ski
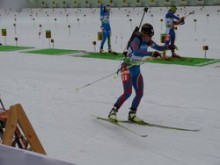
{"points": [[158, 126], [120, 125]]}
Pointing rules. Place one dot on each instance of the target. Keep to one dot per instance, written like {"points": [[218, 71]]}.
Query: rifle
{"points": [[136, 30]]}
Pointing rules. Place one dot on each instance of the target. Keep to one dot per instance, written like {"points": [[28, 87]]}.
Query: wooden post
{"points": [[48, 36], [16, 40], [69, 27], [28, 130], [195, 20], [10, 128], [52, 41], [205, 48], [17, 119], [161, 20], [100, 36], [4, 34], [94, 44]]}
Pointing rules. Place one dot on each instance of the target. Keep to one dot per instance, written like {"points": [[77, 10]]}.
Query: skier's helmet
{"points": [[147, 29], [173, 8]]}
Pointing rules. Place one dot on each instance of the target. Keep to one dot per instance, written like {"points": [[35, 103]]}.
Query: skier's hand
{"points": [[102, 29], [156, 54], [182, 20], [171, 47]]}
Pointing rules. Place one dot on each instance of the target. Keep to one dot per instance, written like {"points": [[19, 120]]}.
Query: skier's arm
{"points": [[101, 12], [179, 20], [158, 47], [170, 15], [170, 20]]}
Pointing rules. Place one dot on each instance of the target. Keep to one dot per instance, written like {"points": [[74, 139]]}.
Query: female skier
{"points": [[170, 28], [130, 71], [106, 28]]}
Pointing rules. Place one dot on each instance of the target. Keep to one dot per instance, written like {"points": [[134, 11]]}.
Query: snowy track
{"points": [[180, 96]]}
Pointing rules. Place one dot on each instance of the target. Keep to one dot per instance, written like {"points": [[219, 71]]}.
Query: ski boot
{"points": [[101, 51], [113, 114], [175, 55], [133, 118], [165, 57]]}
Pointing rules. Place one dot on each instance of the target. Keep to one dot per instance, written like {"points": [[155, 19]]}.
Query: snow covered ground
{"points": [[180, 96]]}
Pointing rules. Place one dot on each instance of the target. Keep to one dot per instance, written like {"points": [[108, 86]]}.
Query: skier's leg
{"points": [[172, 41], [104, 36], [138, 85], [167, 37], [167, 42], [173, 37], [127, 85], [109, 41]]}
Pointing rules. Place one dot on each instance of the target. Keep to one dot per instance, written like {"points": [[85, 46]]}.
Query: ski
{"points": [[111, 53], [119, 125], [158, 126]]}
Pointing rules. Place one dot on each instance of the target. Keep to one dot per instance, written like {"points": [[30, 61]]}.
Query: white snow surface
{"points": [[180, 96]]}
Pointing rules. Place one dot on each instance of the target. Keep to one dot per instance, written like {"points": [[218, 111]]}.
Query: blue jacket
{"points": [[104, 17], [169, 19]]}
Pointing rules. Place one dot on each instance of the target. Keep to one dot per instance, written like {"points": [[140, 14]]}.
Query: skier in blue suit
{"points": [[106, 28], [130, 70], [171, 21]]}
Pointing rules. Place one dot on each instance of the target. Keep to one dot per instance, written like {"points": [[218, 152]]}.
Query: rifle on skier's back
{"points": [[134, 34]]}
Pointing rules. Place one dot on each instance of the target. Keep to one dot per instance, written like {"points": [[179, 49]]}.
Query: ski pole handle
{"points": [[135, 32], [145, 11]]}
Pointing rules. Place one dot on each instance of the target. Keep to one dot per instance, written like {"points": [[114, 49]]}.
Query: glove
{"points": [[182, 19], [182, 23], [156, 54], [171, 47]]}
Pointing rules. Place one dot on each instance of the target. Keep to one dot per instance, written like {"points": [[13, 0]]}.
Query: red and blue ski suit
{"points": [[131, 75]]}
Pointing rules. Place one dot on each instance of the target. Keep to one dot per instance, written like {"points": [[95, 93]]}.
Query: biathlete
{"points": [[131, 74], [106, 28], [171, 21]]}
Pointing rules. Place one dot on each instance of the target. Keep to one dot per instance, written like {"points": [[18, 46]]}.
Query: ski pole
{"points": [[94, 82], [135, 31], [115, 73], [192, 12], [145, 11]]}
